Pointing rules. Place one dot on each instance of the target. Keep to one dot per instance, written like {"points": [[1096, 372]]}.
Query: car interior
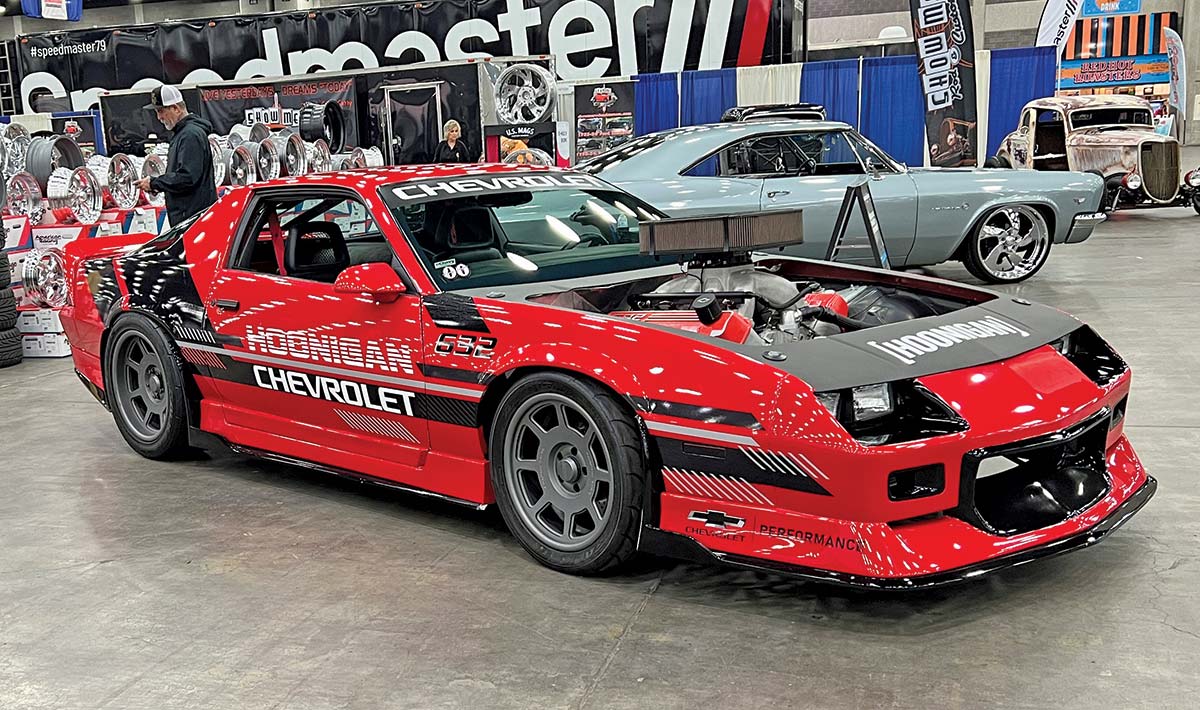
{"points": [[1050, 142], [316, 239]]}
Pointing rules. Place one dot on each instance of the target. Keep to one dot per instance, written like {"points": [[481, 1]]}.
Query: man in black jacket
{"points": [[188, 182]]}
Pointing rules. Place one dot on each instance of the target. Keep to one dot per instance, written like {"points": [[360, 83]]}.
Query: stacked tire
{"points": [[10, 337]]}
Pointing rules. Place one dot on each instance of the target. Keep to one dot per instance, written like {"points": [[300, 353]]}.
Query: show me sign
{"points": [[589, 39]]}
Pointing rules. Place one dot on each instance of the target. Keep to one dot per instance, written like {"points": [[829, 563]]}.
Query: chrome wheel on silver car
{"points": [[1011, 244]]}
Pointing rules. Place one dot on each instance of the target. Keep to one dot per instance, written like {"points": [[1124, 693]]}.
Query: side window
{"points": [[709, 167], [768, 156], [313, 239]]}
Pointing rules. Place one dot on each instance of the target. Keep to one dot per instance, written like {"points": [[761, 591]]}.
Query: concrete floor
{"points": [[231, 583]]}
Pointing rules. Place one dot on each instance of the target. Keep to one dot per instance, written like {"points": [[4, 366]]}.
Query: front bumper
{"points": [[1083, 225], [679, 546]]}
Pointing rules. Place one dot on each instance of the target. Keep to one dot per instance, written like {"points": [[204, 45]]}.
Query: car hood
{"points": [[976, 335], [994, 330]]}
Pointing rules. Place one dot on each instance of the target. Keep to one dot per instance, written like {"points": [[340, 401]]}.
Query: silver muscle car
{"points": [[999, 223], [1112, 136]]}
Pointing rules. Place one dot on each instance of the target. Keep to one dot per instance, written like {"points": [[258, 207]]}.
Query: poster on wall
{"points": [[589, 40], [603, 117], [276, 104], [945, 53]]}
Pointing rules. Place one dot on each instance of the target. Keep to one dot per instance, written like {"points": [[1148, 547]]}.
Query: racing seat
{"points": [[468, 234], [316, 251]]}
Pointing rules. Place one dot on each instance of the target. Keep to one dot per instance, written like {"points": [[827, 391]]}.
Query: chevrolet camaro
{"points": [[611, 380]]}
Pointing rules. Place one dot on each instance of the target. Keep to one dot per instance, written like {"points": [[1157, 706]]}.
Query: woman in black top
{"points": [[451, 150]]}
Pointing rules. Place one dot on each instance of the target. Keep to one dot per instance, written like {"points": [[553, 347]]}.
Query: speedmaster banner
{"points": [[589, 40], [946, 61]]}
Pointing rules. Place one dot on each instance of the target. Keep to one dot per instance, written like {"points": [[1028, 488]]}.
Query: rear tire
{"points": [[143, 381], [569, 474], [1196, 201], [10, 347]]}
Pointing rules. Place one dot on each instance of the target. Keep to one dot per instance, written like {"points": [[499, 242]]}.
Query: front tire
{"points": [[143, 380], [1010, 244], [1196, 201], [569, 474]]}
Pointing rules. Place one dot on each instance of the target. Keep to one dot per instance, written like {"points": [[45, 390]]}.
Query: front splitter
{"points": [[669, 544]]}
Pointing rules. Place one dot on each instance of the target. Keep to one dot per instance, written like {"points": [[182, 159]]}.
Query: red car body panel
{"points": [[837, 523]]}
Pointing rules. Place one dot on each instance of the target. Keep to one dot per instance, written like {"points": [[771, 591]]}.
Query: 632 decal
{"points": [[477, 346]]}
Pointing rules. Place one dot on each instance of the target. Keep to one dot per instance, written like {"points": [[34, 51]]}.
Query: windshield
{"points": [[614, 157], [499, 237], [1111, 117]]}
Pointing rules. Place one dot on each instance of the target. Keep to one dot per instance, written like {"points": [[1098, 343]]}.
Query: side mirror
{"points": [[377, 280]]}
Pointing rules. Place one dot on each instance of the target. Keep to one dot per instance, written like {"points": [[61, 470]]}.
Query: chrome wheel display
{"points": [[319, 159], [153, 166], [323, 122], [281, 154], [366, 158], [243, 165], [219, 147], [140, 385], [123, 173], [558, 471], [341, 161], [524, 94], [17, 148], [78, 191], [47, 154], [24, 197], [1012, 243], [45, 280], [13, 131], [242, 133]]}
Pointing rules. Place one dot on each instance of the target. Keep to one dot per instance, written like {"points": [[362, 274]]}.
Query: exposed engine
{"points": [[774, 309]]}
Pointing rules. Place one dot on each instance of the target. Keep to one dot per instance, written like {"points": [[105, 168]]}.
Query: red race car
{"points": [[612, 380]]}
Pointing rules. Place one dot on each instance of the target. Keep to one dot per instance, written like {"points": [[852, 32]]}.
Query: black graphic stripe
{"points": [[451, 310], [708, 415], [733, 462], [455, 374], [430, 406]]}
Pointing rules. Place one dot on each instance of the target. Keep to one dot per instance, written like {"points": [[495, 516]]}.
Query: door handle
{"points": [[776, 193], [226, 304]]}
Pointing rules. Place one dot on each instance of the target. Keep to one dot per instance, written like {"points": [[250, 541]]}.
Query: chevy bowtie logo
{"points": [[716, 519]]}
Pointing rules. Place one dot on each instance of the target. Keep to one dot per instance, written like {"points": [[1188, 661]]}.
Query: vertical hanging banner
{"points": [[1058, 19], [1177, 98], [946, 56]]}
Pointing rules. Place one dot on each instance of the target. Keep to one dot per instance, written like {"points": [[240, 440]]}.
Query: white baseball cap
{"points": [[163, 96]]}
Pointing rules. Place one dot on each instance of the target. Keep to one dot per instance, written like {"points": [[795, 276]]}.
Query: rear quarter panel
{"points": [[952, 201]]}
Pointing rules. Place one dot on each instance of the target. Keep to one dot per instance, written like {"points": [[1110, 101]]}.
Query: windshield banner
{"points": [[946, 62]]}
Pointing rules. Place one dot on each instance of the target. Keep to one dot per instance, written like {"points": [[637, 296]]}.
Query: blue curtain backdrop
{"points": [[834, 85], [1018, 76], [893, 114], [656, 102], [704, 95]]}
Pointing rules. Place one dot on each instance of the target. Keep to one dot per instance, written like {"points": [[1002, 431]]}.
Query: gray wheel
{"points": [[1011, 244], [568, 472], [143, 383], [559, 472]]}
